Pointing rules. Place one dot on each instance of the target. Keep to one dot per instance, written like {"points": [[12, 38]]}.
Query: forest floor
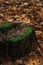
{"points": [[30, 13]]}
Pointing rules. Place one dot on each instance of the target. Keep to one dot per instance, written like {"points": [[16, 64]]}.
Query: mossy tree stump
{"points": [[17, 46]]}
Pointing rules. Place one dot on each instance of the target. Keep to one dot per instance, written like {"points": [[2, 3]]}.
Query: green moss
{"points": [[18, 38], [6, 25]]}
